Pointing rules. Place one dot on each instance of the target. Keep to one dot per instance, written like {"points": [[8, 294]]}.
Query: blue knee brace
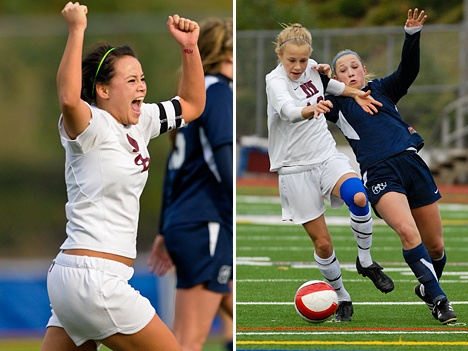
{"points": [[348, 189]]}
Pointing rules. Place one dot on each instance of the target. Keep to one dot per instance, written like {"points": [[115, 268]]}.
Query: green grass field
{"points": [[274, 259], [213, 344]]}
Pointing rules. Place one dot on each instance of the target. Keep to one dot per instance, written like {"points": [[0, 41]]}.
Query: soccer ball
{"points": [[316, 301]]}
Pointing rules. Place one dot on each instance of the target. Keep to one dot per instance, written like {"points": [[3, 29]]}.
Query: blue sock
{"points": [[439, 265], [421, 264]]}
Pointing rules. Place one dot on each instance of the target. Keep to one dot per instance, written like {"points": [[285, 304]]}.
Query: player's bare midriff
{"points": [[108, 256]]}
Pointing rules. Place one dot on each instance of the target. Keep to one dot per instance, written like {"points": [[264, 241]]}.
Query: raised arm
{"points": [[192, 84], [398, 83], [410, 56], [76, 113]]}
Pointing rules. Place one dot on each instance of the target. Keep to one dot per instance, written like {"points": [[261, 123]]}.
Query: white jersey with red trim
{"points": [[292, 140], [106, 169]]}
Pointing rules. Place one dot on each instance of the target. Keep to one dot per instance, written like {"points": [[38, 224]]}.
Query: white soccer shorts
{"points": [[303, 188], [92, 300]]}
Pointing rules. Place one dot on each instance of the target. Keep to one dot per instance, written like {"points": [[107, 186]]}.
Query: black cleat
{"points": [[344, 311], [419, 291], [381, 281], [444, 310]]}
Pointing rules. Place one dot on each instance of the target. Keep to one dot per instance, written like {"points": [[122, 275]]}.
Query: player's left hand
{"points": [[367, 102], [415, 19], [323, 106], [323, 68], [184, 30]]}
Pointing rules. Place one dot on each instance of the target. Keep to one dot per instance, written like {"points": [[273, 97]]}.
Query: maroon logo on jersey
{"points": [[139, 160], [309, 89], [134, 143]]}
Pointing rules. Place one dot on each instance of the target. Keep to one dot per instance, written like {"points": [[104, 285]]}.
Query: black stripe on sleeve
{"points": [[162, 119], [178, 112], [177, 107]]}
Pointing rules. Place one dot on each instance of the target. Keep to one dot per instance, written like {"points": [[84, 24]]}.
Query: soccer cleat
{"points": [[381, 281], [444, 310], [344, 311], [419, 291]]}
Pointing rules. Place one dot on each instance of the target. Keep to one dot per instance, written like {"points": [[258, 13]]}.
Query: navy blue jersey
{"points": [[377, 137], [199, 172]]}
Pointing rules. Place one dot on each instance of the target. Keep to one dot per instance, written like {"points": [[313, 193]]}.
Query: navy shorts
{"points": [[202, 254], [406, 173]]}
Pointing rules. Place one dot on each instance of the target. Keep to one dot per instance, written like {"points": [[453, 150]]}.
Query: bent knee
{"points": [[354, 195], [409, 235], [323, 248], [360, 199]]}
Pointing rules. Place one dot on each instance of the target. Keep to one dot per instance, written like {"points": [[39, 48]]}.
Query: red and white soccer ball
{"points": [[316, 301]]}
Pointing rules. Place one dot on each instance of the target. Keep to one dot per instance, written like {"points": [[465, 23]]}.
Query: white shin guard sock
{"points": [[362, 230], [331, 271]]}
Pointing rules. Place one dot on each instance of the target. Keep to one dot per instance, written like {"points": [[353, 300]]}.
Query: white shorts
{"points": [[92, 300], [303, 188]]}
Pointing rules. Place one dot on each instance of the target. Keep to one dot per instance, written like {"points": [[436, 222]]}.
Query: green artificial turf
{"points": [[274, 259]]}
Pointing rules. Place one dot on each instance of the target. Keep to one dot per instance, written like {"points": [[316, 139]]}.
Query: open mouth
{"points": [[295, 75], [136, 105]]}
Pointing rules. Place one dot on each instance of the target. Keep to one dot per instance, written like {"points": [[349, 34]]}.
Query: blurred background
{"points": [[32, 188], [436, 104]]}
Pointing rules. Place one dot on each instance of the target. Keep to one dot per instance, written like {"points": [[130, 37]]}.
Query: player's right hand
{"points": [[159, 261]]}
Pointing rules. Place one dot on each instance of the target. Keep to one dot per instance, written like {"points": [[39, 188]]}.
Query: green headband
{"points": [[99, 67]]}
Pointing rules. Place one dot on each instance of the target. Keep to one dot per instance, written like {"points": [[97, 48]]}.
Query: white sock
{"points": [[362, 230], [331, 271]]}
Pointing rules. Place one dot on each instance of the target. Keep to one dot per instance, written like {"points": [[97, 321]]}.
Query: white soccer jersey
{"points": [[106, 169], [292, 140]]}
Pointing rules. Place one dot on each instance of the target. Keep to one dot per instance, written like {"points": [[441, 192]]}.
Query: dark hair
{"points": [[106, 72]]}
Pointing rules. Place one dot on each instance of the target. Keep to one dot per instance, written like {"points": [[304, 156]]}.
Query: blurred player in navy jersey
{"points": [[399, 184], [197, 211]]}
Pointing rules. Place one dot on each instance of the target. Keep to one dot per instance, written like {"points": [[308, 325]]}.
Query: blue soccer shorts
{"points": [[202, 254], [406, 173]]}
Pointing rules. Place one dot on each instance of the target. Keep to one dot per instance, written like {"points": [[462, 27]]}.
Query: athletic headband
{"points": [[342, 53], [99, 67], [304, 39]]}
